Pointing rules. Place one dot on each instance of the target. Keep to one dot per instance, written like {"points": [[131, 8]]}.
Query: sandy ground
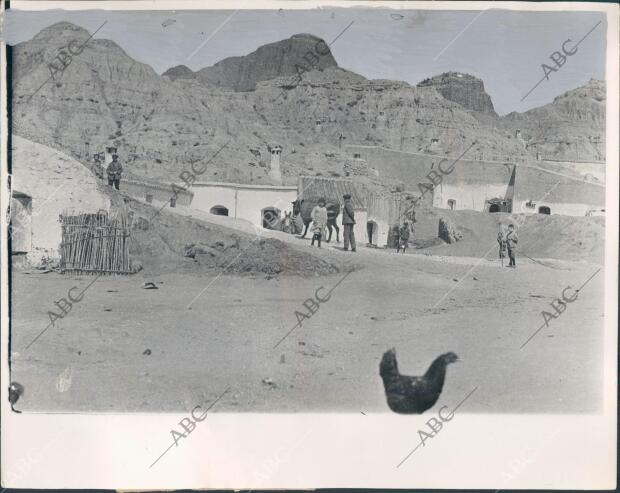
{"points": [[94, 359]]}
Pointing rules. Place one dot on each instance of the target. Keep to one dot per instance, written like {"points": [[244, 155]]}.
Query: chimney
{"points": [[274, 168]]}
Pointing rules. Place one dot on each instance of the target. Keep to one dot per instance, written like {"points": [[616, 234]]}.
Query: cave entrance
{"points": [[270, 217], [373, 232], [219, 210]]}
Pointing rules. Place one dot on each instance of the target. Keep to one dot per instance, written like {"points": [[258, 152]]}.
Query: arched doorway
{"points": [[494, 208], [270, 217], [219, 210], [543, 209], [451, 204]]}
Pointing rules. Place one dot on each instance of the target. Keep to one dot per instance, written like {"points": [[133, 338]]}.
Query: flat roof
{"points": [[243, 185]]}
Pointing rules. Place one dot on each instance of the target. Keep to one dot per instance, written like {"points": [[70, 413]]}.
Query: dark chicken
{"points": [[413, 395]]}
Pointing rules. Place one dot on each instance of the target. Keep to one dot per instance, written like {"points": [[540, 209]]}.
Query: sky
{"points": [[506, 49]]}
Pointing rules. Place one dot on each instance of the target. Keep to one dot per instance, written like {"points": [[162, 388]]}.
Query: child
{"points": [[403, 237], [501, 240], [319, 221]]}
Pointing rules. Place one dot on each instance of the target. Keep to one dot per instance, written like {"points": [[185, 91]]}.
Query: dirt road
{"points": [[123, 348]]}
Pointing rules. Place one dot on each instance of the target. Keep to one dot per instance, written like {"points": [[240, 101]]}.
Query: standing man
{"points": [[348, 220], [114, 170], [403, 235], [332, 216], [511, 245]]}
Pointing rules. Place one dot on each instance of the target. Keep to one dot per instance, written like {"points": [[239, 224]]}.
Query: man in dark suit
{"points": [[348, 220], [114, 171]]}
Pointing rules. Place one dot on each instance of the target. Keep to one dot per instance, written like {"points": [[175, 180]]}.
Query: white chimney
{"points": [[274, 168]]}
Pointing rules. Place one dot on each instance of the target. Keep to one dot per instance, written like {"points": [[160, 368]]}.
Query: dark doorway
{"points": [[373, 231], [219, 210], [494, 208], [543, 209], [270, 217], [21, 223]]}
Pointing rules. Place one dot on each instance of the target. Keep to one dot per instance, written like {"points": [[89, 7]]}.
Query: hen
{"points": [[413, 395]]}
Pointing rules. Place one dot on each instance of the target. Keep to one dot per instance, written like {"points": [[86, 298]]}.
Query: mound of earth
{"points": [[160, 241]]}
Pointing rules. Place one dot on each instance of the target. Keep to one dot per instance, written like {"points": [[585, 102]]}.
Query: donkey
{"points": [[287, 224], [303, 208]]}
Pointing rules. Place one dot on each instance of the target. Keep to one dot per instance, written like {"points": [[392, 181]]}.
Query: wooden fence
{"points": [[95, 243]]}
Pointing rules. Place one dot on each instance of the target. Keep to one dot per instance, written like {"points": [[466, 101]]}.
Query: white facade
{"points": [[359, 228], [243, 201], [567, 209], [40, 173], [465, 196]]}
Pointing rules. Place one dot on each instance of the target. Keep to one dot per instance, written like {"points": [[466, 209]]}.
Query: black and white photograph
{"points": [[379, 210]]}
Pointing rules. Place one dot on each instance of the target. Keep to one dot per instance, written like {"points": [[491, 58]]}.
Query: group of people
{"points": [[508, 244], [319, 223]]}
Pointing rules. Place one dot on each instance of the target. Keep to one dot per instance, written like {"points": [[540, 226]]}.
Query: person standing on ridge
{"points": [[114, 171]]}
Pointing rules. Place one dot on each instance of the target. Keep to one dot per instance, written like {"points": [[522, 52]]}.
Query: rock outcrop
{"points": [[572, 127], [180, 72], [299, 53], [448, 232], [464, 89]]}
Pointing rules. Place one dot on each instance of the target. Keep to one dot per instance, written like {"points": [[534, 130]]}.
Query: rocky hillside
{"points": [[162, 124], [241, 73], [572, 127], [464, 89]]}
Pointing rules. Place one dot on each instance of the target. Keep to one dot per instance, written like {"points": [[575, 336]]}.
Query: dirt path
{"points": [[94, 359]]}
